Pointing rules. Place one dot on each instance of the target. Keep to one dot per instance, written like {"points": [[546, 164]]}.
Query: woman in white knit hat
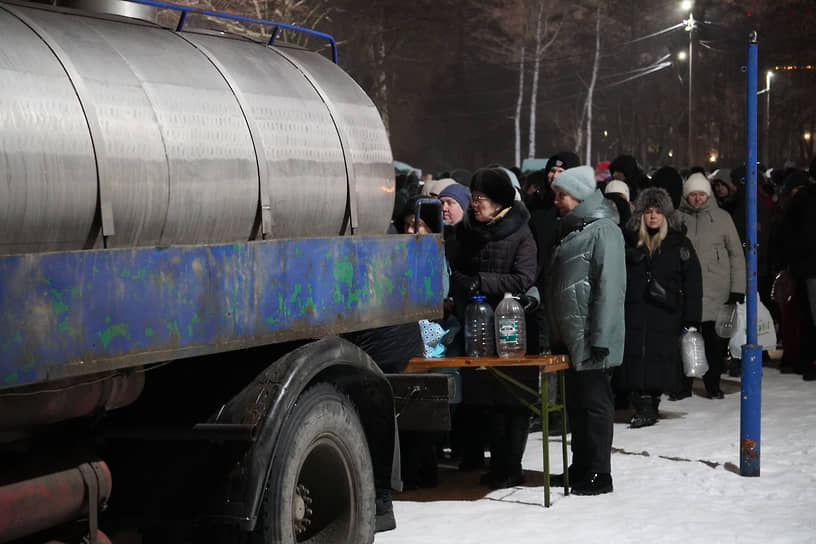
{"points": [[715, 239]]}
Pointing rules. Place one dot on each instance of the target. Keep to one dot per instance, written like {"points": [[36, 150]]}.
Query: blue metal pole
{"points": [[750, 400]]}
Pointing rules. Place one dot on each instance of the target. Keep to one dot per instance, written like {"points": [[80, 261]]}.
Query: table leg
{"points": [[562, 386], [545, 432]]}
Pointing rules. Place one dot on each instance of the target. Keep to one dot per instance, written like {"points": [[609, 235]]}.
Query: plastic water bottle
{"points": [[511, 328], [692, 350], [479, 328], [726, 324]]}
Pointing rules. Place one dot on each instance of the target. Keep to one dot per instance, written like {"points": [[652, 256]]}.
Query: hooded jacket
{"points": [[586, 285], [718, 247], [502, 254]]}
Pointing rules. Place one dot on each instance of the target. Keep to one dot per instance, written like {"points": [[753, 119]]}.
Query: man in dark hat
{"points": [[625, 168]]}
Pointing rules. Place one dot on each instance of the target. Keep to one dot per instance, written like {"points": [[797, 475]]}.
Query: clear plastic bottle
{"points": [[479, 328], [692, 350], [511, 328], [725, 325]]}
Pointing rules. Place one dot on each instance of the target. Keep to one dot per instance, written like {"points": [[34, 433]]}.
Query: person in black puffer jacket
{"points": [[496, 254]]}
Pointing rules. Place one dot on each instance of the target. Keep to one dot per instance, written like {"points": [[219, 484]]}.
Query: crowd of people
{"points": [[612, 267]]}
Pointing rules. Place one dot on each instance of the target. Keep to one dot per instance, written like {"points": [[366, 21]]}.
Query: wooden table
{"points": [[546, 364]]}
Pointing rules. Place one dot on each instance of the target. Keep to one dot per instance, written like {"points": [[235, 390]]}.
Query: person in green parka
{"points": [[585, 296]]}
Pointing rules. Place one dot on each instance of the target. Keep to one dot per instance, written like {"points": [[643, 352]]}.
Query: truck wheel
{"points": [[321, 483]]}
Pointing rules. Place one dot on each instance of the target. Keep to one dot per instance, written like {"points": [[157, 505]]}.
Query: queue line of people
{"points": [[577, 245]]}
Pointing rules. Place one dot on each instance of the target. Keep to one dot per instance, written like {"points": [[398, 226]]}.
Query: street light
{"points": [[690, 25], [767, 91]]}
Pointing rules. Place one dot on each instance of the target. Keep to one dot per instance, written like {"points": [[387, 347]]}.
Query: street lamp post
{"points": [[690, 22], [767, 90]]}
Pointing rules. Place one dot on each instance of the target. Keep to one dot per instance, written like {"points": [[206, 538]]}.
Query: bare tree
{"points": [[517, 114], [593, 80], [542, 29]]}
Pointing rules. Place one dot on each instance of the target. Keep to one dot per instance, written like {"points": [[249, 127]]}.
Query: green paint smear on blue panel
{"points": [[75, 292], [149, 332], [298, 252], [59, 305], [120, 329], [428, 291], [28, 365], [172, 325], [296, 294], [12, 378], [124, 274], [18, 337], [65, 327], [142, 273], [193, 321]]}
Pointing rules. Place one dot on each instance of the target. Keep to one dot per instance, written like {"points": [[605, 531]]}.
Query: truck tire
{"points": [[321, 482]]}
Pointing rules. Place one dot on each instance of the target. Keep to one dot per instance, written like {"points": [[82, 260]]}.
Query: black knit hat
{"points": [[626, 164], [563, 159], [668, 178], [495, 184]]}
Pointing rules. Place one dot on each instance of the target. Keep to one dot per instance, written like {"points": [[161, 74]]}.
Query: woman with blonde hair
{"points": [[663, 294]]}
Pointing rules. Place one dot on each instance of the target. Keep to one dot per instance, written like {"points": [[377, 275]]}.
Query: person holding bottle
{"points": [[722, 262], [496, 254], [663, 294], [585, 292]]}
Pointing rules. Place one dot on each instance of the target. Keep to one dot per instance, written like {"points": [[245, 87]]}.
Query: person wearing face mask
{"points": [[584, 294], [722, 261], [657, 251]]}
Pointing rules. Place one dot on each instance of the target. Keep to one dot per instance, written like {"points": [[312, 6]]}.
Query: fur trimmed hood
{"points": [[654, 197]]}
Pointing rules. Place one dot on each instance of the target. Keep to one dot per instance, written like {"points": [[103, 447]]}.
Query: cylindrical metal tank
{"points": [[123, 129]]}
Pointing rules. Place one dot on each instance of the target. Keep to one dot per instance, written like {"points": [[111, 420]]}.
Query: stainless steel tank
{"points": [[123, 129]]}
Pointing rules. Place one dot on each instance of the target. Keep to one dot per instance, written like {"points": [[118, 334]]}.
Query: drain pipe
{"points": [[48, 501]]}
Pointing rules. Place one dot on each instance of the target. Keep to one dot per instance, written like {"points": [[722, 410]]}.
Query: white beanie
{"points": [[696, 182], [579, 182], [618, 186]]}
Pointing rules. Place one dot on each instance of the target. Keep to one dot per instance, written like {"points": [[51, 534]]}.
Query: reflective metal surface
{"points": [[184, 137], [306, 177], [47, 168], [368, 152]]}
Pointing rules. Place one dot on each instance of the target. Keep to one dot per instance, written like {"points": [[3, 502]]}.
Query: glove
{"points": [[529, 304], [733, 298], [469, 284], [599, 354]]}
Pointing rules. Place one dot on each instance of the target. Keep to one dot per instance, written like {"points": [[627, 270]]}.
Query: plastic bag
{"points": [[725, 325], [766, 333]]}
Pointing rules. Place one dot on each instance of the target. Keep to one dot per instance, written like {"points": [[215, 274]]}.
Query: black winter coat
{"points": [[503, 255], [651, 358]]}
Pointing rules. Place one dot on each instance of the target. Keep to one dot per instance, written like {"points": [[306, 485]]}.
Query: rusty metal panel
{"points": [[81, 312]]}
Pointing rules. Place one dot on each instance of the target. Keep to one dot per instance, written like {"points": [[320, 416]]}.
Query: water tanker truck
{"points": [[190, 221]]}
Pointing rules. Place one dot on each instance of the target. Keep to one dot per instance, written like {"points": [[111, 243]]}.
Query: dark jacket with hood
{"points": [[651, 353], [586, 285], [503, 255]]}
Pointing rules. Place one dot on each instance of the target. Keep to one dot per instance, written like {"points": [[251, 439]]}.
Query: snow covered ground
{"points": [[677, 481]]}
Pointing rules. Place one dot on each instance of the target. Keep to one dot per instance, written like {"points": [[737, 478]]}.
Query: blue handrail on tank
{"points": [[275, 32]]}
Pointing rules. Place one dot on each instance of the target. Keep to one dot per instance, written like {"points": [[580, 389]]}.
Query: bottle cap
{"points": [[508, 295]]}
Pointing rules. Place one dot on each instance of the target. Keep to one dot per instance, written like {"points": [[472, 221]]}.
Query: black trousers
{"points": [[715, 352], [591, 413]]}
